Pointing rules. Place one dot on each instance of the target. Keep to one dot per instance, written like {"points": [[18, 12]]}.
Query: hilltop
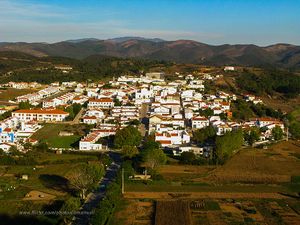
{"points": [[179, 51]]}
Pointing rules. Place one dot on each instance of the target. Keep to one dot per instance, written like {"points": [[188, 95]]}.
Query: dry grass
{"points": [[135, 212], [273, 165], [173, 212], [11, 93], [184, 172], [204, 195]]}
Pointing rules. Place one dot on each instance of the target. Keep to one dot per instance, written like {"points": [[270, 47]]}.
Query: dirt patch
{"points": [[38, 196]]}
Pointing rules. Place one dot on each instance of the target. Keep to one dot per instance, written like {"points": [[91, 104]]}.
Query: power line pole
{"points": [[123, 191]]}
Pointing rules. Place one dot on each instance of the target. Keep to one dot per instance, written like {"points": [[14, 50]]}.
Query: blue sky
{"points": [[260, 22]]}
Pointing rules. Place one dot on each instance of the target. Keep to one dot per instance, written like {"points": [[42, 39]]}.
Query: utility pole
{"points": [[287, 133], [123, 191]]}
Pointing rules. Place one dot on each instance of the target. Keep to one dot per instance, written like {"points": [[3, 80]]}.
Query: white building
{"points": [[40, 115], [104, 103], [89, 142], [199, 122]]}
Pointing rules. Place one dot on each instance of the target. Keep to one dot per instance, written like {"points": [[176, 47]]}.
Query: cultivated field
{"points": [[209, 212], [173, 212]]}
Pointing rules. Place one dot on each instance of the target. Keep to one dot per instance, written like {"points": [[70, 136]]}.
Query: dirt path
{"points": [[214, 195]]}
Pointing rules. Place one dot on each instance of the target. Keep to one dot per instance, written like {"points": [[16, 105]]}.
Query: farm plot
{"points": [[173, 212]]}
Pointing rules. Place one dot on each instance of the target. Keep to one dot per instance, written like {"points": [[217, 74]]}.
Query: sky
{"points": [[260, 22]]}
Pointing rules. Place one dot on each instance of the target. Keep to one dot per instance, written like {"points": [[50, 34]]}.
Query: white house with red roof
{"points": [[88, 142], [174, 137], [40, 115], [199, 122], [104, 103]]}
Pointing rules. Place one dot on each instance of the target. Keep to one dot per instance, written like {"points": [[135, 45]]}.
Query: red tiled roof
{"points": [[165, 142], [101, 100], [42, 111]]}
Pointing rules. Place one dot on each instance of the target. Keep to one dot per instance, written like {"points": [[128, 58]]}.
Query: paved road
{"points": [[95, 197]]}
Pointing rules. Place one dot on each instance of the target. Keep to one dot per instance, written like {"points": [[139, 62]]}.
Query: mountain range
{"points": [[179, 51]]}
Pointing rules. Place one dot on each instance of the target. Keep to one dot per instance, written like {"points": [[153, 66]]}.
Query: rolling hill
{"points": [[180, 51]]}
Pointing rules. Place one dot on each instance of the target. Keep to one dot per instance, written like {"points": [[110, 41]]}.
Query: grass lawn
{"points": [[11, 93], [64, 142], [50, 134]]}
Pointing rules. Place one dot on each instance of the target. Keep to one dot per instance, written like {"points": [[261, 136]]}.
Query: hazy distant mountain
{"points": [[82, 40], [122, 39], [182, 51]]}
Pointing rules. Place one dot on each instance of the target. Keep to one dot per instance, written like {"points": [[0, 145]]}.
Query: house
{"points": [[188, 113], [40, 115], [222, 129], [194, 149], [175, 137], [199, 122], [6, 146], [80, 99], [143, 95], [229, 68], [265, 121], [105, 103], [7, 135], [98, 113], [89, 119], [88, 142]]}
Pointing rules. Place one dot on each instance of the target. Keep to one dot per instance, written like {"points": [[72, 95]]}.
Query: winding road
{"points": [[95, 197]]}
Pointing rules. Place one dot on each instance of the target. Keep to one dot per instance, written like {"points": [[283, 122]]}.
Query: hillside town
{"points": [[169, 110]]}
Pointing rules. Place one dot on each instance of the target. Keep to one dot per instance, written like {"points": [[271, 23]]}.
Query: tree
{"points": [[134, 122], [127, 136], [150, 144], [42, 147], [202, 135], [295, 129], [13, 150], [252, 136], [85, 177], [70, 206], [24, 105], [76, 108], [227, 144], [277, 133], [117, 102], [71, 115], [187, 157], [206, 112], [154, 158], [129, 151]]}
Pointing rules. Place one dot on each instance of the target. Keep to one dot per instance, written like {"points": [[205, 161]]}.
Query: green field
{"points": [[50, 134]]}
